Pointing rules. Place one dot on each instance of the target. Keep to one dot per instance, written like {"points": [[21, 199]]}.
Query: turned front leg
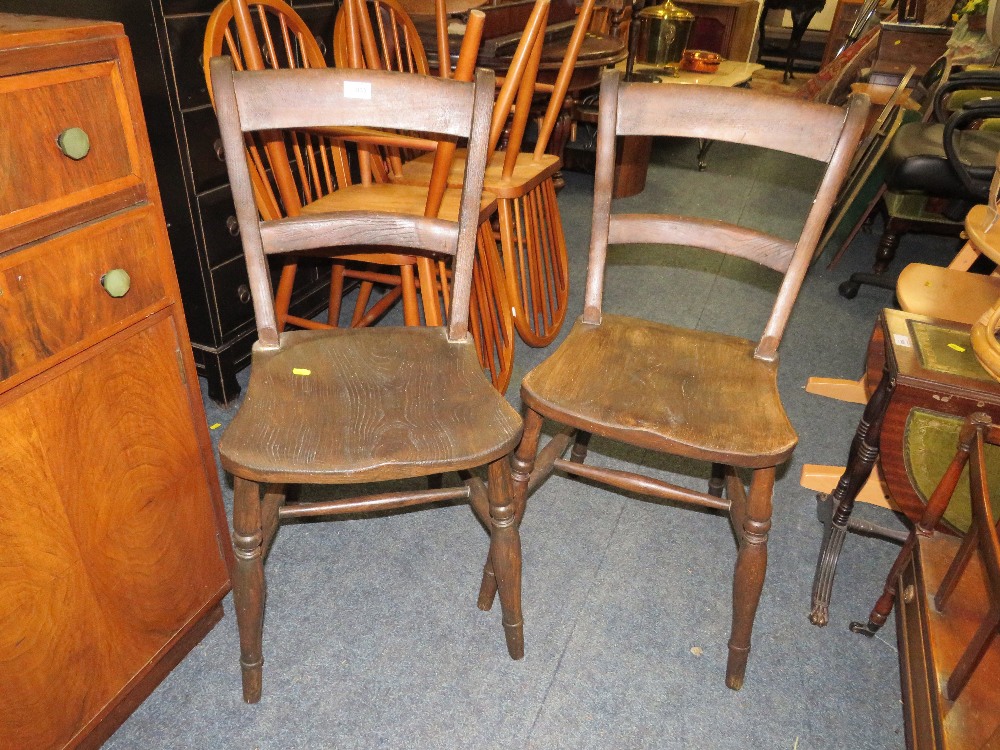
{"points": [[748, 577], [522, 464], [248, 584]]}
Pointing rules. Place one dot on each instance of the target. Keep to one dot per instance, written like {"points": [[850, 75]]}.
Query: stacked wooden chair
{"points": [[350, 406], [309, 170], [379, 35], [700, 395], [535, 263]]}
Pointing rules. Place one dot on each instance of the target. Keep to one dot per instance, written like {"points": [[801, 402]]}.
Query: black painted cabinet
{"points": [[167, 38]]}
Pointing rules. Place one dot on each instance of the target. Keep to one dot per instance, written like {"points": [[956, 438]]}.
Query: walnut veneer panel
{"points": [[107, 543]]}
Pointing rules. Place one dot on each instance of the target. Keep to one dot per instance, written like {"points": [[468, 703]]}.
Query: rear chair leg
{"points": [[505, 554], [579, 453], [748, 578]]}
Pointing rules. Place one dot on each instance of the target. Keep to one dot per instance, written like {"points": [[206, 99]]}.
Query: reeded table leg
{"points": [[860, 461]]}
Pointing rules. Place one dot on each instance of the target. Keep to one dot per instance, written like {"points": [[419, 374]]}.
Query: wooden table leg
{"points": [[860, 461]]}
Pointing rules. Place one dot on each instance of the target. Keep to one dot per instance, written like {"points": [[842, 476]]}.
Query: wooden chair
{"points": [[696, 394], [392, 43], [309, 171], [985, 345], [346, 406], [531, 235], [292, 175]]}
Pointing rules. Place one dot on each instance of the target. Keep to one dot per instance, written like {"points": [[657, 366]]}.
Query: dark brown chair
{"points": [[695, 394], [350, 406]]}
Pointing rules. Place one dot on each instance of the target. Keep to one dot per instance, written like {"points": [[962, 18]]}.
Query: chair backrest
{"points": [[278, 100], [297, 168], [389, 39], [817, 131]]}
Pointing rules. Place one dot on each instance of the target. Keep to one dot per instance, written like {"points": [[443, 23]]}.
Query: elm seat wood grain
{"points": [[347, 406], [696, 394], [665, 380], [112, 554], [434, 430]]}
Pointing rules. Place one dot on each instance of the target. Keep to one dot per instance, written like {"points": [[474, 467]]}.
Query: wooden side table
{"points": [[930, 375]]}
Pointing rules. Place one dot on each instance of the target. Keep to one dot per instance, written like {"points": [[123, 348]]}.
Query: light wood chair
{"points": [[390, 42], [696, 394], [309, 171], [350, 406], [985, 345], [291, 175], [531, 234]]}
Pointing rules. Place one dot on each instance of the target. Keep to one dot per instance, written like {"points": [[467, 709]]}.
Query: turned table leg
{"points": [[860, 461]]}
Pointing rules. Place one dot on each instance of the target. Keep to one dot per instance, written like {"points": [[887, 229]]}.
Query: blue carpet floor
{"points": [[372, 637]]}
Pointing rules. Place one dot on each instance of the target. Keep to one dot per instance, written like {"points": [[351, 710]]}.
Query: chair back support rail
{"points": [[283, 99], [816, 132]]}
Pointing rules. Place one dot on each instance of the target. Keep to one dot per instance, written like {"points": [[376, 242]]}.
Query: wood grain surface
{"points": [[38, 178], [107, 542], [52, 303], [692, 393], [337, 422]]}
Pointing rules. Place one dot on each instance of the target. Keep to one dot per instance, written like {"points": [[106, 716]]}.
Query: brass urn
{"points": [[663, 33]]}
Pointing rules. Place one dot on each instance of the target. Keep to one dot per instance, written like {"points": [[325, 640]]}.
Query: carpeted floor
{"points": [[372, 637]]}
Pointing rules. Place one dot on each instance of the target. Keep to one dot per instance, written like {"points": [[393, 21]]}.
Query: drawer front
{"points": [[52, 303], [231, 289], [218, 222], [917, 675], [186, 37], [40, 177], [319, 19], [208, 161]]}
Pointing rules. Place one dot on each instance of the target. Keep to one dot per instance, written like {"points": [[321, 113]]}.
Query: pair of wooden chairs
{"points": [[351, 406]]}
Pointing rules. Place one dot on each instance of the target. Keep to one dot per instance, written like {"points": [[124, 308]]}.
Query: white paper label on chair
{"points": [[357, 90], [901, 339]]}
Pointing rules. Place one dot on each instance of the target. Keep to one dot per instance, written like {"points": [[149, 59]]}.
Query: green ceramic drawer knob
{"points": [[116, 282], [74, 143]]}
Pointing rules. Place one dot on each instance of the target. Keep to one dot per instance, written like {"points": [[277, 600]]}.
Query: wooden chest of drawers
{"points": [[113, 538]]}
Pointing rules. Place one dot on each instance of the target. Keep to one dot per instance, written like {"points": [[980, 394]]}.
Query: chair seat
{"points": [[336, 421], [916, 160], [946, 293], [692, 393], [399, 199], [527, 172]]}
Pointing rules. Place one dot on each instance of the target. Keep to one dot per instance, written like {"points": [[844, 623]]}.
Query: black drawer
{"points": [[218, 222], [319, 19], [208, 162], [231, 288], [186, 37], [231, 291]]}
